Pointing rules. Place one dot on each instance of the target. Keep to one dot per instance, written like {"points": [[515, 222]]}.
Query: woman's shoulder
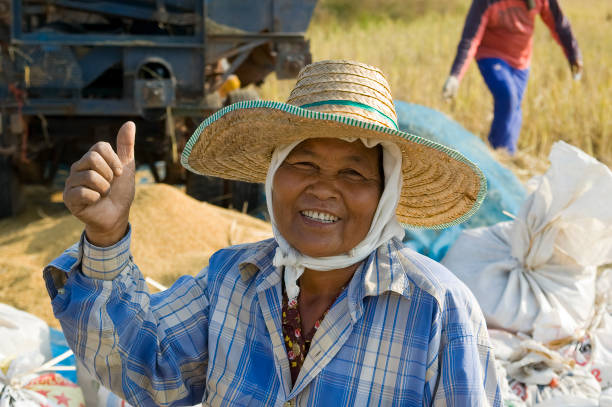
{"points": [[231, 257], [248, 247], [456, 305], [432, 277]]}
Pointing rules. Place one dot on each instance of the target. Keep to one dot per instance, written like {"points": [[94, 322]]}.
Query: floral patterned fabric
{"points": [[297, 342]]}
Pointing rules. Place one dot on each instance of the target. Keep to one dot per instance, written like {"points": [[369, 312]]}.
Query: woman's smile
{"points": [[319, 217]]}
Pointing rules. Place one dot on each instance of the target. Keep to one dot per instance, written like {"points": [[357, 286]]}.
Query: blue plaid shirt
{"points": [[405, 332]]}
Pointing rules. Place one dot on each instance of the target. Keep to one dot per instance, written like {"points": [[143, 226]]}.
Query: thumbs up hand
{"points": [[100, 188]]}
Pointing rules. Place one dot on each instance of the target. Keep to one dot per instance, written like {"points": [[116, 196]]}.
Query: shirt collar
{"points": [[259, 258], [381, 271]]}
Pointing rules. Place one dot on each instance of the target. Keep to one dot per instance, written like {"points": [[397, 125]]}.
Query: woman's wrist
{"points": [[106, 238]]}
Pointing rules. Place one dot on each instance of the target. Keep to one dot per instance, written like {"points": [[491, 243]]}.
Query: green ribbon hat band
{"points": [[351, 103]]}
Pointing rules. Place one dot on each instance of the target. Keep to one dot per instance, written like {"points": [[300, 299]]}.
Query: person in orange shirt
{"points": [[499, 34]]}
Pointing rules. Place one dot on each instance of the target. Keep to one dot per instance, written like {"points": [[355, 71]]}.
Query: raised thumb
{"points": [[126, 138]]}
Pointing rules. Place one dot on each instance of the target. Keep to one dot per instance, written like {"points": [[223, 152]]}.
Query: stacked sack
{"points": [[542, 284], [28, 373]]}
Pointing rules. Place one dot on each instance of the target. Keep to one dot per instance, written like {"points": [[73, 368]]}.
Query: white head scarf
{"points": [[384, 224]]}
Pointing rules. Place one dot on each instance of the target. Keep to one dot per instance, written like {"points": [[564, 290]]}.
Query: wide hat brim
{"points": [[440, 188]]}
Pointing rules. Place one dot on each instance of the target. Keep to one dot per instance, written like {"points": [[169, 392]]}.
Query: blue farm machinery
{"points": [[71, 71]]}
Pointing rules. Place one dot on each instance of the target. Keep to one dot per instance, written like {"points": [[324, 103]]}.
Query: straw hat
{"points": [[338, 99]]}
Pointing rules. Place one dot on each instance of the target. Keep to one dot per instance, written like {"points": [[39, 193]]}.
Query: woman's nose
{"points": [[324, 187]]}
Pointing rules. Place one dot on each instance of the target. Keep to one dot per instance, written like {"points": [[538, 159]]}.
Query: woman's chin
{"points": [[320, 250], [323, 243]]}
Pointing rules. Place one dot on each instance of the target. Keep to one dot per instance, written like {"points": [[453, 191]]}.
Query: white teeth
{"points": [[320, 216]]}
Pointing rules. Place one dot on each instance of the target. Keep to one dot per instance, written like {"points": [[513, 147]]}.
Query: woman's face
{"points": [[324, 195]]}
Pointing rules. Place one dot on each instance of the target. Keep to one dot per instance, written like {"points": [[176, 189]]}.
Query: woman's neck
{"points": [[315, 283], [318, 289]]}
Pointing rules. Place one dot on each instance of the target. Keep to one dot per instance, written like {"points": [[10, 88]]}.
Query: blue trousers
{"points": [[507, 84]]}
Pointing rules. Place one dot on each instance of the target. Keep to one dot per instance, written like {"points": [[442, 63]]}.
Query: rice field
{"points": [[414, 43]]}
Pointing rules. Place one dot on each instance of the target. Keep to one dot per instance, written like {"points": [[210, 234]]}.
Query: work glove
{"points": [[577, 70], [449, 90]]}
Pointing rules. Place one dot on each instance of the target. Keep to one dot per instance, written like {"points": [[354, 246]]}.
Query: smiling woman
{"points": [[333, 310], [324, 198]]}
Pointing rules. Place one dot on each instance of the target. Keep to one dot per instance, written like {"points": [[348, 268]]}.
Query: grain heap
{"points": [[173, 235]]}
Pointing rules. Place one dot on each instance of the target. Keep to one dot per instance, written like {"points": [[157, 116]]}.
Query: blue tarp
{"points": [[59, 346], [505, 191]]}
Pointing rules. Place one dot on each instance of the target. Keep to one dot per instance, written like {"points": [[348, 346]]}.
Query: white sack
{"points": [[605, 400], [536, 374], [568, 401], [601, 366], [543, 264], [594, 350], [21, 332], [21, 371]]}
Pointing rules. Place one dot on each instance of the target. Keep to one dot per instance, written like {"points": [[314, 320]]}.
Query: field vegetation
{"points": [[414, 43]]}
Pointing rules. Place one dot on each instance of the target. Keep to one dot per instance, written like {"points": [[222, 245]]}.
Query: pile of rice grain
{"points": [[172, 235]]}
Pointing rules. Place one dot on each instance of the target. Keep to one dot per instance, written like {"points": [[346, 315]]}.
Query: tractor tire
{"points": [[10, 188]]}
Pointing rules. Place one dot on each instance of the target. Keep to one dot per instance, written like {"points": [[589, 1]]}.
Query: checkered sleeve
{"points": [[105, 263], [149, 349], [467, 375], [463, 368]]}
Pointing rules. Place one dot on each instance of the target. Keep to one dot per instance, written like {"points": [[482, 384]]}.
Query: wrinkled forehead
{"points": [[350, 150]]}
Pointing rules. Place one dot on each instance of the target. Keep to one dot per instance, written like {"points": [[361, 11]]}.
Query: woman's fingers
{"points": [[101, 158], [93, 161], [91, 176], [90, 179], [79, 197]]}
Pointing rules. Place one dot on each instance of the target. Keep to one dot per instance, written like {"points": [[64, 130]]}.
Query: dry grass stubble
{"points": [[416, 56]]}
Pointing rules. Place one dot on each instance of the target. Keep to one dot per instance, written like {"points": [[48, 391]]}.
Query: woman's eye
{"points": [[353, 174], [305, 165]]}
